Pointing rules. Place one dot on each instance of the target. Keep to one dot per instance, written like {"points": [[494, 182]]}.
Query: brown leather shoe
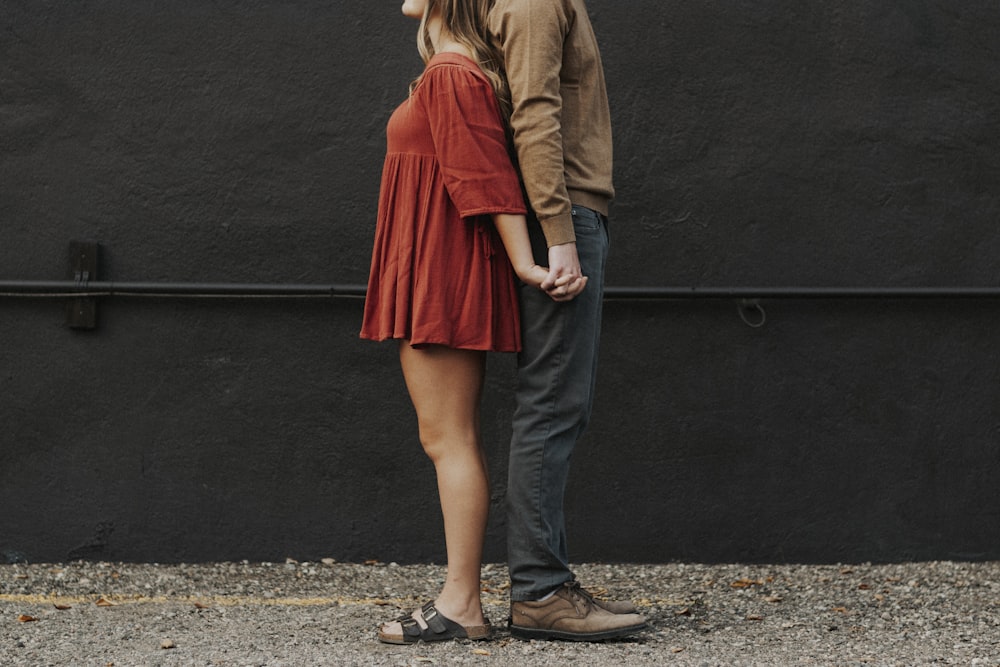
{"points": [[570, 614], [616, 606]]}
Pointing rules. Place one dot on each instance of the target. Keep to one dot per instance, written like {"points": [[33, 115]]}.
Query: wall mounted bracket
{"points": [[81, 311]]}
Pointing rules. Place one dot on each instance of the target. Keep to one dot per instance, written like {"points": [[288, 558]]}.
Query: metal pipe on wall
{"points": [[100, 288], [70, 288]]}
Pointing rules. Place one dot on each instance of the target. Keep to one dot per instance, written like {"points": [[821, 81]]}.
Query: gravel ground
{"points": [[291, 614]]}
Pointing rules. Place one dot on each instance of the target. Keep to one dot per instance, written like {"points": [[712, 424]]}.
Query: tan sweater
{"points": [[561, 120]]}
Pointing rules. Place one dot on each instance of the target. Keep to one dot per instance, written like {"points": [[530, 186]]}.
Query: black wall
{"points": [[771, 143]]}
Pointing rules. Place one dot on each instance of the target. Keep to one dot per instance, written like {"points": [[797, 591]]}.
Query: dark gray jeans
{"points": [[556, 375]]}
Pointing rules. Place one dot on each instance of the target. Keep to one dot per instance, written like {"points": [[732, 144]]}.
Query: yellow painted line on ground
{"points": [[252, 601], [210, 600]]}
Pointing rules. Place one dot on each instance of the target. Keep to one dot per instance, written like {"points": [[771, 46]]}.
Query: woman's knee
{"points": [[439, 440]]}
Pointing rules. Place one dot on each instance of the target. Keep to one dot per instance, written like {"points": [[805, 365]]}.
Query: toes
{"points": [[394, 628]]}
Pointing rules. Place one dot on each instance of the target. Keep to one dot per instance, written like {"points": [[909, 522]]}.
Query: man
{"points": [[562, 134]]}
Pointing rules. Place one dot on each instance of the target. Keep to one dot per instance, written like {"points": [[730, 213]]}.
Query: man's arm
{"points": [[532, 34]]}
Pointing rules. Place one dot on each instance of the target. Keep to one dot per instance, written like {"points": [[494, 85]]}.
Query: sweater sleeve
{"points": [[532, 35], [470, 143]]}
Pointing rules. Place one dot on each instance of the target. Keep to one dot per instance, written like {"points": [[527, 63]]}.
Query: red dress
{"points": [[439, 272]]}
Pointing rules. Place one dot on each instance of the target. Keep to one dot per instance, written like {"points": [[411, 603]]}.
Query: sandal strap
{"points": [[437, 624], [410, 627], [433, 618]]}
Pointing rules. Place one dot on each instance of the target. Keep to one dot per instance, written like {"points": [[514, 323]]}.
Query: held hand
{"points": [[566, 288], [563, 261], [563, 289], [565, 279], [533, 275]]}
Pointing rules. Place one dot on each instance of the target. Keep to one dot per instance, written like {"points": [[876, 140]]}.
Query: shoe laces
{"points": [[577, 591]]}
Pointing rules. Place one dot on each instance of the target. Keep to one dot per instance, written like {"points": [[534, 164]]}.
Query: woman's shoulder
{"points": [[454, 69]]}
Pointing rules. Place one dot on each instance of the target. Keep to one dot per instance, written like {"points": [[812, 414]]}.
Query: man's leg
{"points": [[556, 379], [556, 373]]}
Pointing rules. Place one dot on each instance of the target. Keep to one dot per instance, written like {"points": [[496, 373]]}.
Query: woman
{"points": [[451, 213]]}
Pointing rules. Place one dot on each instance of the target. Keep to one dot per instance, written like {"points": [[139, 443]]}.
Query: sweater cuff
{"points": [[558, 229]]}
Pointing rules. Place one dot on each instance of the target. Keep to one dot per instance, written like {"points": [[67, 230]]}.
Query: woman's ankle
{"points": [[462, 609]]}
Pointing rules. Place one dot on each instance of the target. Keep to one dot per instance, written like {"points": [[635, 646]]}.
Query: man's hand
{"points": [[565, 279]]}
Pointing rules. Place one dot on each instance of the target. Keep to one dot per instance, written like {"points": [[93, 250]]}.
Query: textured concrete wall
{"points": [[775, 143]]}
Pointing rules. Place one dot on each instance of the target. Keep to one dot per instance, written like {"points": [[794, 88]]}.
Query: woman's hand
{"points": [[532, 275], [565, 288], [561, 282]]}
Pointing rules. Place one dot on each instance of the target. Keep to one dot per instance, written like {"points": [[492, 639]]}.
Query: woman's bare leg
{"points": [[446, 386]]}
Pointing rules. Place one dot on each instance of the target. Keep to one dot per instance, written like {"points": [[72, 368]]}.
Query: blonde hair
{"points": [[465, 20]]}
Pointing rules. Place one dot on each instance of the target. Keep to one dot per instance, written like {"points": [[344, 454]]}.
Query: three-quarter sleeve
{"points": [[470, 142]]}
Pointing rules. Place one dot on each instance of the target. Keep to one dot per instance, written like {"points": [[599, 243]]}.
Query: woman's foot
{"points": [[429, 624]]}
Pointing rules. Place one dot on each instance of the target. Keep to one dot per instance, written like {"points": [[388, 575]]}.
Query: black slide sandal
{"points": [[439, 628]]}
